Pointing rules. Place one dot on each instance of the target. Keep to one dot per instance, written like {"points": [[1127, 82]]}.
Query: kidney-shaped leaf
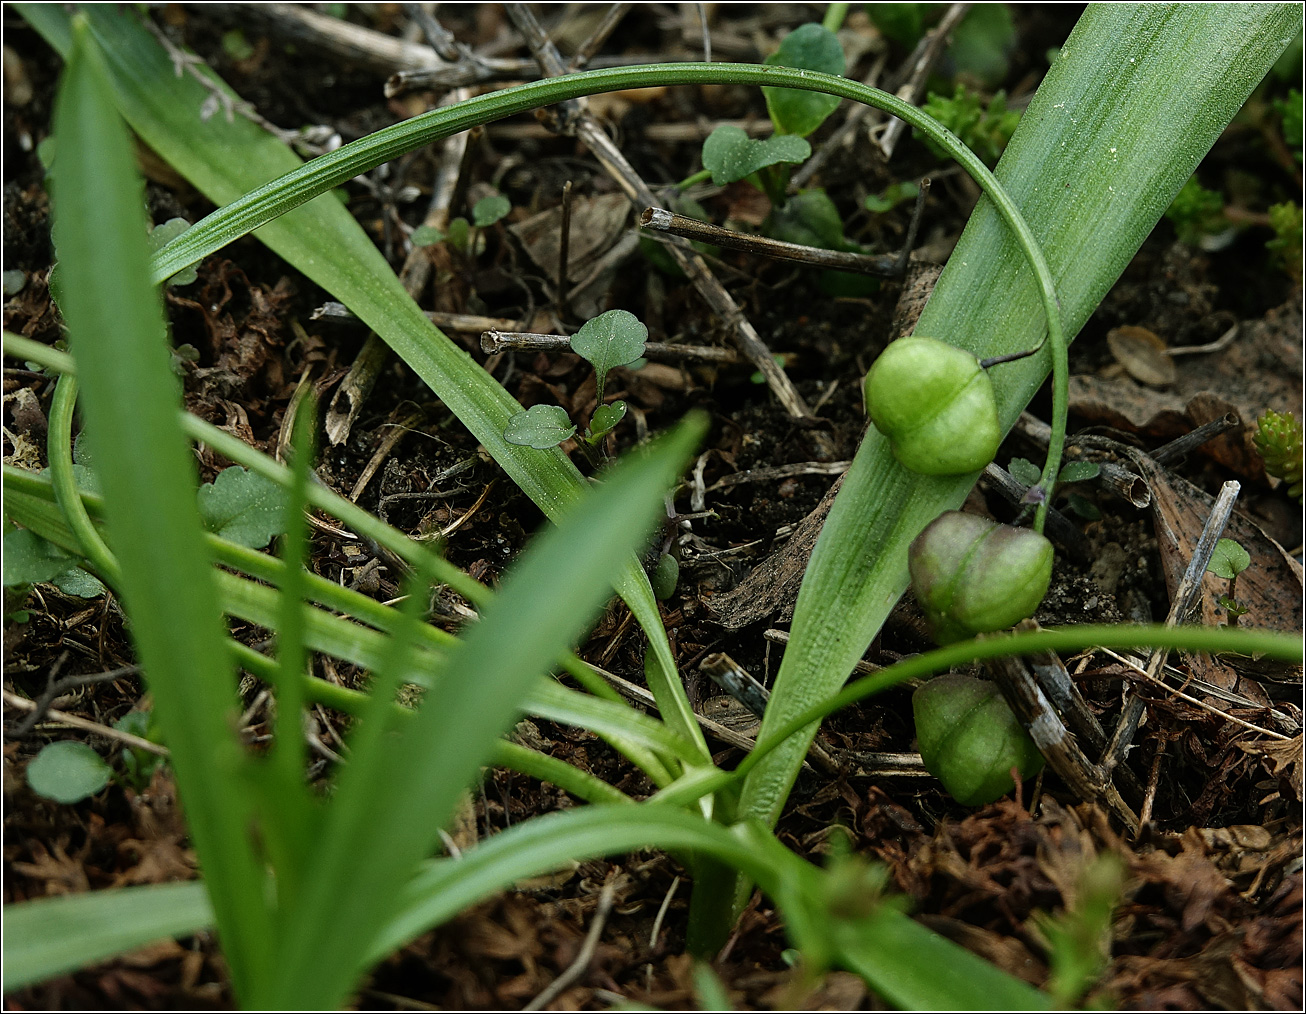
{"points": [[67, 772]]}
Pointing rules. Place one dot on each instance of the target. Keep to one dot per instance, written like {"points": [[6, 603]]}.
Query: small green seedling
{"points": [[1228, 561], [489, 210], [936, 405], [1279, 439], [892, 196], [139, 765], [612, 339], [972, 576], [1079, 939], [67, 772], [969, 739], [1286, 246], [30, 559], [984, 129], [1027, 473], [1197, 213]]}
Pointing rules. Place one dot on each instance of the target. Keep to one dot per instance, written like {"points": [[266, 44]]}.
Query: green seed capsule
{"points": [[972, 576], [970, 740], [936, 405]]}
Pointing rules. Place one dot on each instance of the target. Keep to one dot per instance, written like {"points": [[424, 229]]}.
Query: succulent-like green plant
{"points": [[1278, 438]]}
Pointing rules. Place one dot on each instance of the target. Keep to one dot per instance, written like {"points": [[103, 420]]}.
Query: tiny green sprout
{"points": [[1279, 439], [1228, 561], [426, 235], [611, 339], [489, 210], [891, 197], [936, 405], [1196, 213], [605, 420], [1286, 221], [985, 130], [1028, 474]]}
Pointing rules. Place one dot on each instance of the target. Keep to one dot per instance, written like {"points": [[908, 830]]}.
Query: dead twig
{"points": [[574, 119]]}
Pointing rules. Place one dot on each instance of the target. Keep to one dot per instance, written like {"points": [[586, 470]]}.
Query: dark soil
{"points": [[1211, 913]]}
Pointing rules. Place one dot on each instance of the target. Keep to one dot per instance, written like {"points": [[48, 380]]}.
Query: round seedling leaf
{"points": [[969, 739], [611, 339], [1024, 471], [489, 210], [809, 218], [67, 772], [605, 419], [808, 47], [426, 235], [30, 559], [729, 154], [540, 426], [243, 507], [1229, 560]]}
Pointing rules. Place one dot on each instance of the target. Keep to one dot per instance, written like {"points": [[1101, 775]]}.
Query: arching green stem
{"points": [[294, 188], [59, 453]]}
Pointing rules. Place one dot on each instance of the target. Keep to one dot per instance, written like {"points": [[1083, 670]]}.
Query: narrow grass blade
{"points": [[29, 499], [389, 806], [130, 402], [901, 960], [1138, 96], [50, 936]]}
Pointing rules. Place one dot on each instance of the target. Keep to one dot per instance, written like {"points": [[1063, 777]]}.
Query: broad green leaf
{"points": [[605, 419], [540, 426], [50, 936], [67, 772], [611, 339], [1229, 559], [490, 209], [808, 47], [729, 154], [243, 507]]}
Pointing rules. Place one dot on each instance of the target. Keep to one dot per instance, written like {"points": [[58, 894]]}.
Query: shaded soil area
{"points": [[1209, 904]]}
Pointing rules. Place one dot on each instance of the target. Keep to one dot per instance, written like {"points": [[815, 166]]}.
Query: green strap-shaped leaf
{"points": [[1137, 98]]}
